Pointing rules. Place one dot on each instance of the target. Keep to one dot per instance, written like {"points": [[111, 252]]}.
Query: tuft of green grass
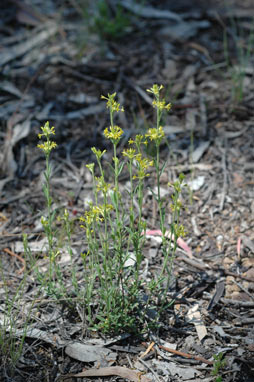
{"points": [[109, 22], [14, 318], [237, 69]]}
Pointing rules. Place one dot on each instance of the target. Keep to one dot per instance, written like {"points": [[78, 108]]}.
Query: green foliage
{"points": [[105, 20], [218, 365], [116, 234], [116, 297], [108, 23], [244, 48], [16, 317]]}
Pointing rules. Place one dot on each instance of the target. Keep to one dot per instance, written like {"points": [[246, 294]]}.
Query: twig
{"points": [[194, 262], [224, 188], [150, 369], [147, 350], [228, 273], [7, 250], [243, 289], [246, 304], [185, 355]]}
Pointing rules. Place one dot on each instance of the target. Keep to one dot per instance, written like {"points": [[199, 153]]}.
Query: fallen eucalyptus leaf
{"points": [[122, 372], [89, 353]]}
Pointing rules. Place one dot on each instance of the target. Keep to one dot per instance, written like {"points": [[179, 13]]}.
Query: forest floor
{"points": [[55, 68]]}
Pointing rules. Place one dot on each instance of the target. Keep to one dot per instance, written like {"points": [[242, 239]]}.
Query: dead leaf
{"points": [[48, 337], [119, 371], [170, 368], [220, 289], [8, 54], [149, 12], [89, 353], [199, 151], [197, 183], [195, 318], [13, 136]]}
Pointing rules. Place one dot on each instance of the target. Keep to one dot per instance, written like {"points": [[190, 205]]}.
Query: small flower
{"points": [[176, 205], [44, 222], [157, 103], [179, 230], [155, 89], [139, 139], [90, 167], [161, 105], [102, 185], [98, 152], [129, 153], [95, 214], [65, 216], [114, 133], [47, 147], [111, 103], [156, 134], [143, 164], [46, 130], [178, 184]]}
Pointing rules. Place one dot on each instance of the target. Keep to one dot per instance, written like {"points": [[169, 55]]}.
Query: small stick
{"points": [[7, 250], [149, 368], [185, 355], [147, 350]]}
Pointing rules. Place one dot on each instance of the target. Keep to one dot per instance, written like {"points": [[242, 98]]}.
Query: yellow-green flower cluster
{"points": [[176, 205], [102, 185], [114, 133], [138, 141], [156, 134], [155, 89], [90, 167], [111, 103], [143, 164], [46, 130], [129, 153], [98, 152], [44, 222], [95, 214], [179, 230], [48, 145], [159, 104], [178, 184]]}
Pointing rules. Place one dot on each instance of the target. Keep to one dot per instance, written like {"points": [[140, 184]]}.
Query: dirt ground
{"points": [[54, 68]]}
